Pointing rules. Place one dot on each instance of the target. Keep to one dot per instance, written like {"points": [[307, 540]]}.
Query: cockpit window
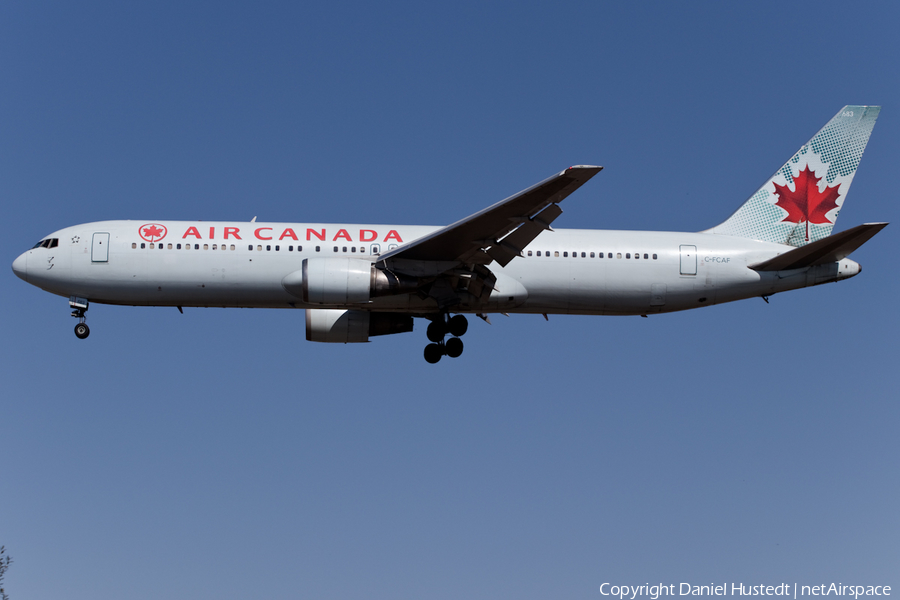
{"points": [[38, 245], [54, 243], [48, 243]]}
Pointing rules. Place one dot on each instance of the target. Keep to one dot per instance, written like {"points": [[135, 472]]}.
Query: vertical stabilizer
{"points": [[801, 202]]}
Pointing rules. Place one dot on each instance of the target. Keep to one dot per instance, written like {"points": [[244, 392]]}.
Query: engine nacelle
{"points": [[352, 326], [337, 280], [342, 281]]}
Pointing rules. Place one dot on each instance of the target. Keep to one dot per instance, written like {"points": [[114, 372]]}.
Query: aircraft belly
{"points": [[168, 279], [588, 286], [548, 284], [739, 282]]}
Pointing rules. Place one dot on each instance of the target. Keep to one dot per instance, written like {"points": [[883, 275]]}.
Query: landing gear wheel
{"points": [[82, 331], [453, 347], [433, 353], [436, 332], [458, 325]]}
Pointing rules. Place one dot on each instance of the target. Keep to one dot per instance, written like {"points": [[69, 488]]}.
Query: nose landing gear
{"points": [[456, 326], [82, 330], [80, 306]]}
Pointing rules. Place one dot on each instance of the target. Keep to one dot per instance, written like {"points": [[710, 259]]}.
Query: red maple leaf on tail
{"points": [[806, 202]]}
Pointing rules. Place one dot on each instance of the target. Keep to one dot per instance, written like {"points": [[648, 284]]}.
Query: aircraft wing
{"points": [[498, 232]]}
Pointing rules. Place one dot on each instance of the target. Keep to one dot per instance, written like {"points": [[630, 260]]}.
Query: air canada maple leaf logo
{"points": [[152, 232], [805, 203]]}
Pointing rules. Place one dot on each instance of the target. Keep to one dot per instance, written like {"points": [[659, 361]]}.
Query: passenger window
{"points": [[645, 256], [538, 252], [565, 254], [277, 248], [335, 248], [196, 246], [583, 255], [344, 249], [206, 246], [299, 248], [618, 255], [170, 246], [628, 255], [133, 245], [318, 248], [392, 247], [592, 255], [215, 247], [259, 247], [556, 253], [250, 247], [143, 245], [152, 246], [529, 253], [637, 255], [232, 246], [654, 257]]}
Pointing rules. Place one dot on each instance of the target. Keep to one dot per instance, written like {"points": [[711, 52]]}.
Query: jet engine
{"points": [[352, 326], [343, 280]]}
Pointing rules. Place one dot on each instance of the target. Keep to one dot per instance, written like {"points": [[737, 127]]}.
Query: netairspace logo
{"points": [[654, 592]]}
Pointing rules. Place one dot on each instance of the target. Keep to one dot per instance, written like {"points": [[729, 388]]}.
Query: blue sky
{"points": [[217, 454]]}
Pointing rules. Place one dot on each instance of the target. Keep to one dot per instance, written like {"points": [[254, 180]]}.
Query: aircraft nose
{"points": [[20, 266]]}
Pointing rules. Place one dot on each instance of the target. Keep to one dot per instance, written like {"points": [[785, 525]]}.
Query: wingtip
{"points": [[589, 170]]}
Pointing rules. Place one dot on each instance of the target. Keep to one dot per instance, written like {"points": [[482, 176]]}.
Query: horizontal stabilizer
{"points": [[830, 249]]}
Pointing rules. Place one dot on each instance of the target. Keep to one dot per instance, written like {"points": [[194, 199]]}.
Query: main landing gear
{"points": [[456, 326], [80, 306]]}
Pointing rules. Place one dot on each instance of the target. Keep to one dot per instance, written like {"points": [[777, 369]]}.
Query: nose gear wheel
{"points": [[80, 306]]}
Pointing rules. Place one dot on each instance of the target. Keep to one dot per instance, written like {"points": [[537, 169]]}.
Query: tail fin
{"points": [[800, 203]]}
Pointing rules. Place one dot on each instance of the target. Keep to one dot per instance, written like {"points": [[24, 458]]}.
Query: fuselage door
{"points": [[688, 260], [100, 248]]}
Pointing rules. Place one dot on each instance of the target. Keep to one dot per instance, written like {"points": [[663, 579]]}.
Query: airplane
{"points": [[357, 281]]}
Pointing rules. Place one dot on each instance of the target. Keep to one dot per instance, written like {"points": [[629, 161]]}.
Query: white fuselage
{"points": [[231, 264]]}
